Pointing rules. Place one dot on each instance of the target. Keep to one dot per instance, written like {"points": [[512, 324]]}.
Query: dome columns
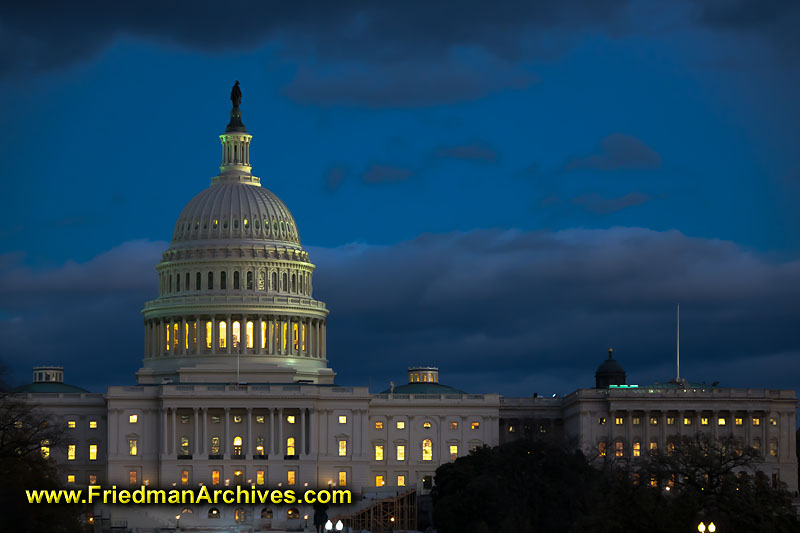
{"points": [[247, 334]]}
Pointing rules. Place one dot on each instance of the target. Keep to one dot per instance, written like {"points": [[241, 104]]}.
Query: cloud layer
{"points": [[507, 311]]}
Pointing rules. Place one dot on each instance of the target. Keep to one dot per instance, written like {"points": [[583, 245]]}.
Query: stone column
{"points": [[279, 350], [312, 432], [204, 444], [174, 430], [281, 449], [324, 342], [271, 448], [195, 446], [214, 335], [302, 432], [251, 442], [226, 446], [229, 334], [257, 336], [357, 430], [184, 336]]}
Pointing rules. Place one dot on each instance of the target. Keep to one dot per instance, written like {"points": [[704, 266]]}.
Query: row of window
{"points": [[687, 421], [400, 451], [276, 227], [73, 424], [72, 451], [400, 424], [286, 334], [619, 448], [296, 282]]}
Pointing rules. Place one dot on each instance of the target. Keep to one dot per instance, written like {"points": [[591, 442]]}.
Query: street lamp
{"points": [[339, 525], [328, 526], [702, 528], [177, 522]]}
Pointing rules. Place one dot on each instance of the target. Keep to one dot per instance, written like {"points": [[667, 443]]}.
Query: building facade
{"points": [[235, 386]]}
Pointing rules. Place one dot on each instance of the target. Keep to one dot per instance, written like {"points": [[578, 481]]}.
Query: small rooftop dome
{"points": [[609, 373]]}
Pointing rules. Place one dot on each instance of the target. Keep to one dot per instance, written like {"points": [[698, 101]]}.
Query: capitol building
{"points": [[235, 388]]}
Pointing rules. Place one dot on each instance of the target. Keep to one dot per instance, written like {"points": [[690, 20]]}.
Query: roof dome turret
{"points": [[610, 372]]}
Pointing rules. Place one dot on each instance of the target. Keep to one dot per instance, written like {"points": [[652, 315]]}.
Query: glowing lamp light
{"points": [[339, 525], [305, 517], [701, 527], [328, 525]]}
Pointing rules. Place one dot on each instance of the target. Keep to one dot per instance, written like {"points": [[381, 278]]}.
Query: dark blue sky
{"points": [[503, 190]]}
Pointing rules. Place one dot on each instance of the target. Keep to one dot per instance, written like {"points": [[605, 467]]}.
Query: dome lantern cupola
{"points": [[236, 147]]}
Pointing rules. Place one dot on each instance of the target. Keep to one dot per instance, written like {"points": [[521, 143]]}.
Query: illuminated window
{"points": [[670, 420], [342, 447], [427, 450], [223, 335], [184, 445], [653, 481], [237, 445], [290, 446], [71, 452], [259, 419], [132, 477], [175, 334], [653, 448], [92, 424], [636, 420], [453, 425], [342, 419], [670, 448], [401, 480], [721, 421], [637, 449], [209, 334], [379, 452], [266, 513], [237, 419], [476, 425], [401, 425], [773, 448], [601, 421], [93, 452], [453, 452], [133, 419], [236, 334], [216, 419], [133, 447], [653, 421], [259, 445], [263, 334], [601, 449], [379, 481], [342, 478], [619, 421], [687, 421], [259, 477], [70, 478], [166, 329], [426, 425], [213, 513], [703, 421], [249, 333], [738, 421], [756, 421], [92, 479], [185, 419], [186, 335], [290, 477], [238, 477], [773, 421], [45, 449], [619, 449], [215, 477], [291, 419], [378, 425], [71, 424], [401, 452], [184, 477], [214, 446]]}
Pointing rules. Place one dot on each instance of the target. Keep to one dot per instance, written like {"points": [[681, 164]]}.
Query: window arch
{"points": [[266, 513], [211, 281], [427, 450], [215, 445], [223, 280], [170, 283], [292, 514], [294, 282], [213, 513], [273, 285], [239, 514], [186, 277], [284, 282], [223, 336], [236, 280], [177, 283], [290, 448], [236, 334], [249, 280], [237, 445], [186, 510], [198, 279]]}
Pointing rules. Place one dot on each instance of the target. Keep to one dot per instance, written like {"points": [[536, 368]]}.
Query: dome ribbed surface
{"points": [[233, 210], [610, 366]]}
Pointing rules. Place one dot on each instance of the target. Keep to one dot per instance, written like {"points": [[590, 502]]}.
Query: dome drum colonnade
{"points": [[235, 280]]}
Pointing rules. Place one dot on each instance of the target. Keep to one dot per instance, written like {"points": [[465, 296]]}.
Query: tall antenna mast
{"points": [[678, 352]]}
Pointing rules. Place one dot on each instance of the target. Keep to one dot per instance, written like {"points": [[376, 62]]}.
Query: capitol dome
{"points": [[235, 287], [233, 210]]}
